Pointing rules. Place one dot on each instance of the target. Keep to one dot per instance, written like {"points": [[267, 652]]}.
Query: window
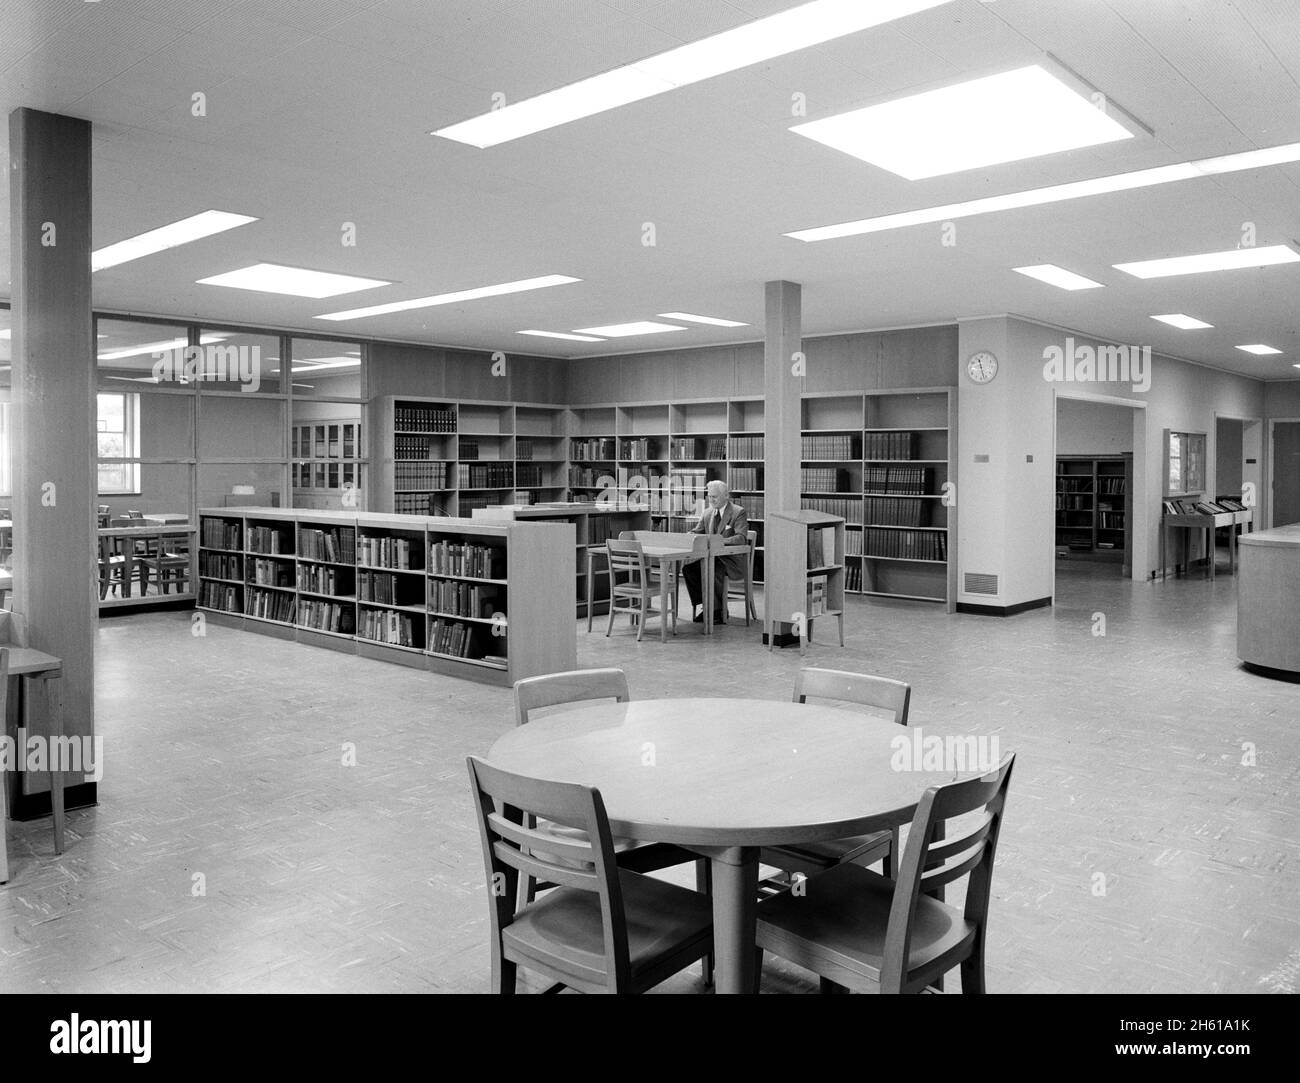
{"points": [[118, 438]]}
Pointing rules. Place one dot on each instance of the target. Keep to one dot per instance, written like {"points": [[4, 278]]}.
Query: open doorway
{"points": [[1284, 468], [1095, 521], [1238, 474]]}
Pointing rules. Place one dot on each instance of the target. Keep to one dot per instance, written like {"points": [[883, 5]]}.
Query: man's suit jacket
{"points": [[734, 528]]}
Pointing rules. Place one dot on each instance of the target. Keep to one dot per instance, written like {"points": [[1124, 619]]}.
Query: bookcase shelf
{"points": [[803, 583], [1092, 507], [534, 633]]}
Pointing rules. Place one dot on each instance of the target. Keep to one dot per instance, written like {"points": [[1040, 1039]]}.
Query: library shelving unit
{"points": [[881, 461], [469, 598], [326, 459], [807, 573], [593, 524], [449, 456], [1092, 494]]}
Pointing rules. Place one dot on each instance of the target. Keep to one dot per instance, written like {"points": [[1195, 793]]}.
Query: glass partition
{"points": [[240, 361], [326, 450], [241, 427], [326, 369], [229, 485], [136, 354]]}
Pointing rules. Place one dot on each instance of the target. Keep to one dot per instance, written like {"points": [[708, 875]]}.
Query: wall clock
{"points": [[982, 367]]}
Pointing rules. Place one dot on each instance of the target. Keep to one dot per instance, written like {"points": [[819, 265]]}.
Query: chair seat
{"points": [[822, 855], [564, 926], [837, 926]]}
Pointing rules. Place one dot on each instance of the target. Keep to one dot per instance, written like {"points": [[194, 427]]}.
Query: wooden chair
{"points": [[747, 589], [882, 694], [631, 589], [604, 929], [859, 930], [112, 564], [167, 559]]}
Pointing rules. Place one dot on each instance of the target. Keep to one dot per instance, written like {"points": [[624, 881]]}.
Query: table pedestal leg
{"points": [[664, 571], [707, 579], [735, 908], [54, 705]]}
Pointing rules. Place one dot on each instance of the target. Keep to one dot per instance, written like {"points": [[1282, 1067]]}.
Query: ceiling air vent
{"points": [[980, 583]]}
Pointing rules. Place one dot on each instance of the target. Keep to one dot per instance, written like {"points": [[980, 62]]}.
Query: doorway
{"points": [[1238, 469], [1284, 471]]}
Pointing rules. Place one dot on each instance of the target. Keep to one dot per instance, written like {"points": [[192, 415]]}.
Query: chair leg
{"points": [[972, 971], [610, 627], [504, 974]]}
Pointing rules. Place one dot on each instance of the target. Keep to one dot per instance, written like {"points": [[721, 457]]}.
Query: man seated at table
{"points": [[721, 516]]}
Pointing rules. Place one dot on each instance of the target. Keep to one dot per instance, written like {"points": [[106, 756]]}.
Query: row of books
{"points": [[415, 504], [823, 479], [326, 616], [816, 603], [271, 573], [896, 480], [594, 449], [270, 539], [388, 626], [422, 475], [687, 448], [383, 551], [848, 509], [220, 596], [450, 637], [220, 566], [853, 577], [1222, 506], [386, 589], [1110, 520], [530, 475], [853, 543], [894, 511], [523, 448], [337, 544], [1068, 502], [905, 544], [220, 534], [890, 445], [414, 447], [476, 561], [468, 448], [485, 475], [270, 605], [746, 477], [413, 417], [464, 599], [641, 447], [322, 579], [826, 446], [746, 447], [1111, 486], [1074, 485], [821, 546]]}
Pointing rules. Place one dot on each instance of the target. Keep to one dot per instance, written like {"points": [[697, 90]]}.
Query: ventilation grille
{"points": [[980, 583]]}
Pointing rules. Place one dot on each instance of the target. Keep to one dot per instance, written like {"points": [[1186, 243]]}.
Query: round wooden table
{"points": [[724, 777]]}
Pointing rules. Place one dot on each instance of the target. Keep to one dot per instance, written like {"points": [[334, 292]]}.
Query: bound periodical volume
{"points": [[270, 539], [890, 445], [853, 577], [474, 561], [905, 544], [459, 599], [322, 579], [421, 475], [416, 448], [637, 448], [842, 447], [746, 478], [271, 573], [220, 534], [595, 449], [220, 566], [823, 479], [853, 543], [416, 504], [414, 417], [699, 448], [382, 588], [529, 475], [220, 597], [269, 605], [322, 616], [384, 552], [894, 511], [485, 475], [387, 626], [747, 447], [523, 448], [847, 508], [901, 480], [336, 545], [589, 477]]}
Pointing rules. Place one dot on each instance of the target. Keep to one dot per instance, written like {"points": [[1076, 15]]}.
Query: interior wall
{"points": [[1093, 428], [1227, 457]]}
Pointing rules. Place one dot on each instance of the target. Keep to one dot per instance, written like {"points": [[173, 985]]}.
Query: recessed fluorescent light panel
{"points": [[475, 294], [1018, 114], [158, 347], [561, 334], [1058, 276], [1260, 349], [1182, 322], [165, 237], [1231, 260], [627, 330], [712, 321], [295, 281], [762, 39], [1058, 193]]}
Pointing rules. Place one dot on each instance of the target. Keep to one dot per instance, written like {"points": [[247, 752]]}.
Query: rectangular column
{"points": [[784, 375], [54, 415]]}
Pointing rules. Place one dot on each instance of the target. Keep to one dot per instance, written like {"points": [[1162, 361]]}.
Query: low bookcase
{"points": [[487, 601]]}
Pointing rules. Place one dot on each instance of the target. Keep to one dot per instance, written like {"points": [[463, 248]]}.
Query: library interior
{"points": [[608, 494]]}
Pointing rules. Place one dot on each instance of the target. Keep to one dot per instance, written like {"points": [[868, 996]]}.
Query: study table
{"points": [[32, 665], [724, 778], [670, 551]]}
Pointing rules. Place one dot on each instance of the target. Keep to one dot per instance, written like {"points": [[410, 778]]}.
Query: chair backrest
{"points": [[574, 686], [135, 515], [626, 558], [932, 860], [103, 509], [880, 693], [508, 805]]}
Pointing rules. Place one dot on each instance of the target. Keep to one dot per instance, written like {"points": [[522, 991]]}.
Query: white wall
{"points": [[1092, 428]]}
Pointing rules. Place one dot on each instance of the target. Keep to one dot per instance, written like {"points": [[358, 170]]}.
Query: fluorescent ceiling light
{"points": [[1182, 322], [713, 321], [314, 364], [1058, 193], [165, 237], [1231, 260], [1259, 348], [295, 281], [452, 298], [626, 330], [1018, 114], [159, 347], [776, 35], [1058, 276], [6, 333], [561, 334]]}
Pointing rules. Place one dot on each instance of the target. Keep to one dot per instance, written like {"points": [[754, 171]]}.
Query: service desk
{"points": [[1268, 598]]}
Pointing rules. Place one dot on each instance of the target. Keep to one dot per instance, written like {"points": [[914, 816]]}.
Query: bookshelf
{"points": [[1092, 507], [448, 595], [880, 461], [808, 573], [326, 459]]}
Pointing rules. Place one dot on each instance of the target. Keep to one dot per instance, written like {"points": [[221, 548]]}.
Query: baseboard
{"points": [[32, 806], [1002, 610]]}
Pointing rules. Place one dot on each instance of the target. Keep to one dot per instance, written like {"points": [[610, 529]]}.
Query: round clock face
{"points": [[982, 367]]}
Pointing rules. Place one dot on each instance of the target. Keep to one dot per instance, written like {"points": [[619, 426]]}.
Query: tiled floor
{"points": [[1138, 854]]}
